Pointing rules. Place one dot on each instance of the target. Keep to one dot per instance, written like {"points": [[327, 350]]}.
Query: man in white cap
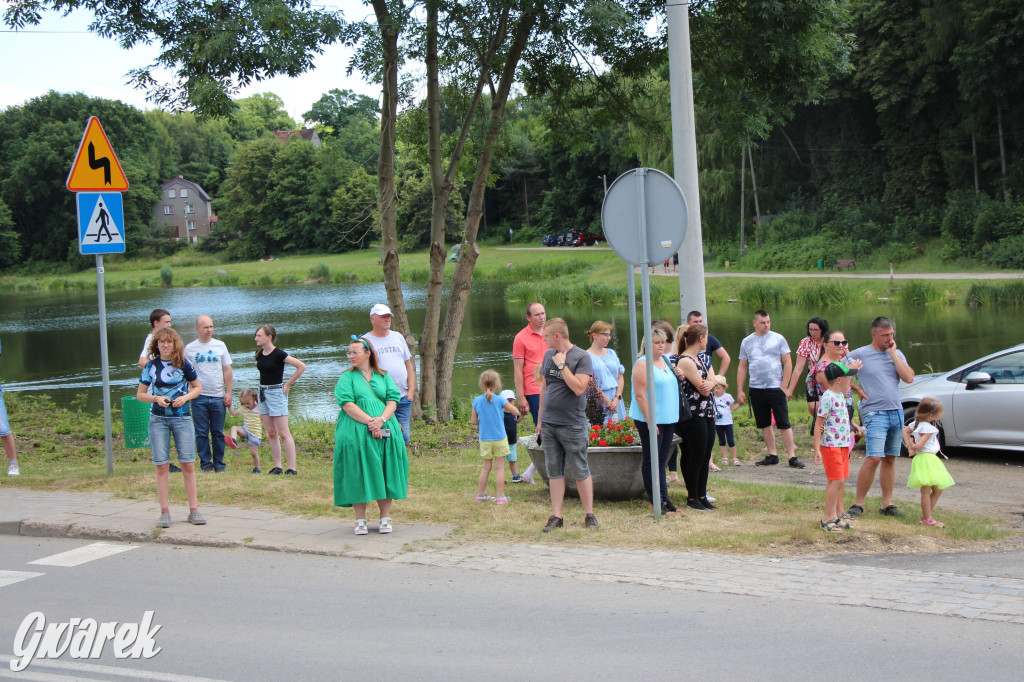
{"points": [[394, 357]]}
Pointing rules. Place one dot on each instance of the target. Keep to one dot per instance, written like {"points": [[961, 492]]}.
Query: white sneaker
{"points": [[12, 469], [484, 497]]}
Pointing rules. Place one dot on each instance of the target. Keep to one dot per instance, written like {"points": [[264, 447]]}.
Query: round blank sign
{"points": [[663, 217]]}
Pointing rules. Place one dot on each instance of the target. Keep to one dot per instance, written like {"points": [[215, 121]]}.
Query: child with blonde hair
{"points": [[488, 413], [725, 405], [251, 429], [927, 471]]}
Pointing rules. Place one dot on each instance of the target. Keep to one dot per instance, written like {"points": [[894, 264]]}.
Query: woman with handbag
{"points": [[370, 461], [808, 354], [666, 397], [697, 382]]}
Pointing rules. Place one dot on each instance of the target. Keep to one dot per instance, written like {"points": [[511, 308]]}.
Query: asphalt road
{"points": [[250, 615]]}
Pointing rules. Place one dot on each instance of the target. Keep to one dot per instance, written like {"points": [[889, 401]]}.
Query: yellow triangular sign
{"points": [[96, 168]]}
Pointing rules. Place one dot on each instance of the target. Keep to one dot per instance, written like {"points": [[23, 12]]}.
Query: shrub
{"points": [[1007, 253], [166, 277], [320, 273], [919, 292]]}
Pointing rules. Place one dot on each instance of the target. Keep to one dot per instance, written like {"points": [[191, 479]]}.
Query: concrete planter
{"points": [[616, 470]]}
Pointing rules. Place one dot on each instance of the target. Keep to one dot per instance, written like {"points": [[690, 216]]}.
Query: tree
{"points": [[213, 49]]}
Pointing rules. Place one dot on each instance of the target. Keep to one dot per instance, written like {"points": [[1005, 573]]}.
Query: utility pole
{"points": [[692, 294]]}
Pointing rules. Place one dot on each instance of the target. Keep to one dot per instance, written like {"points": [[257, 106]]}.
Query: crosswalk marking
{"points": [[63, 671], [11, 577], [81, 555]]}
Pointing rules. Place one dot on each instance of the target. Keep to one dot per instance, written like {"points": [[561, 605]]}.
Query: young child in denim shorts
{"points": [[252, 427]]}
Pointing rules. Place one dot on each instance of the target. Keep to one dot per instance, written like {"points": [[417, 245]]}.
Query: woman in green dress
{"points": [[370, 462]]}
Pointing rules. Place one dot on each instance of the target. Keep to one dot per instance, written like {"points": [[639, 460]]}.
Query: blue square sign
{"points": [[100, 223]]}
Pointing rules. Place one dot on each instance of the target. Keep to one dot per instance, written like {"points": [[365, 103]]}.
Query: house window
{"points": [[168, 210], [190, 208], [170, 193], [184, 193], [191, 224]]}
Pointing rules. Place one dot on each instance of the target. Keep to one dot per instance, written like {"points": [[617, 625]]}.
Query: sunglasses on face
{"points": [[840, 343]]}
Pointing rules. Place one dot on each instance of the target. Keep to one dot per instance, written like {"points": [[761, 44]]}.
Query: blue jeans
{"points": [[161, 429], [404, 414], [208, 416], [885, 429], [5, 425]]}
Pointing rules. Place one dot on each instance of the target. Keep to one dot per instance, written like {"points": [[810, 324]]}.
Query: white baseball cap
{"points": [[380, 309], [507, 395]]}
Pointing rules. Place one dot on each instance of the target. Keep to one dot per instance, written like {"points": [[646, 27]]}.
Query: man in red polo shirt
{"points": [[528, 350]]}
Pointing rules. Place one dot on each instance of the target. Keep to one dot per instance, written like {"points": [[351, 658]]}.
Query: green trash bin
{"points": [[821, 263], [135, 415]]}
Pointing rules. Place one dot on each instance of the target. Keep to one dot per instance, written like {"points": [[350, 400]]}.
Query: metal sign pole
{"points": [[104, 365], [645, 287], [631, 286]]}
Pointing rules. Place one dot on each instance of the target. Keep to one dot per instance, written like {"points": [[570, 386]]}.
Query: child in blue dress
{"points": [[488, 413], [927, 471]]}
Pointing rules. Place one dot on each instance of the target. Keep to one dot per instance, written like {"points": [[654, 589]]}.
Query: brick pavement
{"points": [[805, 580]]}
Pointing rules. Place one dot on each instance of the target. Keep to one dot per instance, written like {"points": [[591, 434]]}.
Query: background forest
{"points": [[913, 143]]}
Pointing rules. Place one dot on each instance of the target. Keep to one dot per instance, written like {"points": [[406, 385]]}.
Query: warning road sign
{"points": [[96, 168], [100, 223]]}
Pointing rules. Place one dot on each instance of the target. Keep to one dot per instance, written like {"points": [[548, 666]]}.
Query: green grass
{"points": [[62, 449]]}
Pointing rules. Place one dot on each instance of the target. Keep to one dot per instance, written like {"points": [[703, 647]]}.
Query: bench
{"points": [[846, 263]]}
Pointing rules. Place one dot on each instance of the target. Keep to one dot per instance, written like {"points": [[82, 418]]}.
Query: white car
{"points": [[982, 401]]}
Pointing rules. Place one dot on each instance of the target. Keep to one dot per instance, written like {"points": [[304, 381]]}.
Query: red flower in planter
{"points": [[602, 442], [595, 427], [629, 439]]}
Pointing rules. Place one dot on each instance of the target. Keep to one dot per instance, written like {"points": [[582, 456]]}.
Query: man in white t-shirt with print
{"points": [[212, 361], [765, 355], [395, 358]]}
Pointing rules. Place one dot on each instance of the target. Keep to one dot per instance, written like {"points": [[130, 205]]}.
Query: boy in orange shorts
{"points": [[833, 439]]}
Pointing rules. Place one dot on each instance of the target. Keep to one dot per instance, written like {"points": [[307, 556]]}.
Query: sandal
{"points": [[714, 467], [933, 522], [841, 524], [736, 462], [360, 528], [830, 527], [385, 525]]}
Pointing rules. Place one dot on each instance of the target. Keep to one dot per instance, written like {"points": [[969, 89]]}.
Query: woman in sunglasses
{"points": [[834, 349]]}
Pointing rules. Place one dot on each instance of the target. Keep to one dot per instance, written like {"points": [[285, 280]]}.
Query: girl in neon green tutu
{"points": [[927, 471]]}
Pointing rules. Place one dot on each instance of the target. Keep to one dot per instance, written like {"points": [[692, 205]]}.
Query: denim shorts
{"points": [[511, 456], [273, 402], [885, 429], [254, 441], [161, 429], [562, 444], [5, 424]]}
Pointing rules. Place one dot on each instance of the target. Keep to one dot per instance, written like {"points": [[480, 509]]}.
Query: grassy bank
{"points": [[62, 449], [191, 268]]}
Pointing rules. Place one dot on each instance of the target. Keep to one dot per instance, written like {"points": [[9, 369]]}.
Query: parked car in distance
{"points": [[551, 239], [981, 401], [580, 238]]}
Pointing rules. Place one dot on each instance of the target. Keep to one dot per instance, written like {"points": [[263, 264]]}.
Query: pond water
{"points": [[51, 340]]}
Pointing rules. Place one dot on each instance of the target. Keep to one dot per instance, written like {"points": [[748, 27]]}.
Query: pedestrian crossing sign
{"points": [[100, 223], [96, 168]]}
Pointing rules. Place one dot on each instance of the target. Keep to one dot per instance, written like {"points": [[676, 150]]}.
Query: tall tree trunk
{"points": [[1002, 150], [974, 157], [386, 168], [753, 187], [743, 197], [469, 252], [441, 189]]}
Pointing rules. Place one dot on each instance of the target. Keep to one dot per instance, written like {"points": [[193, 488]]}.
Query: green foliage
{"points": [[320, 273], [919, 292], [166, 277], [1010, 293]]}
